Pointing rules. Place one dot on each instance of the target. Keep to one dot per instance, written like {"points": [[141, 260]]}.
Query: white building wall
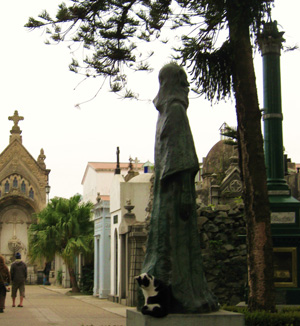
{"points": [[138, 191], [116, 214], [60, 265], [96, 182], [90, 186], [102, 251], [104, 180], [100, 178], [105, 260]]}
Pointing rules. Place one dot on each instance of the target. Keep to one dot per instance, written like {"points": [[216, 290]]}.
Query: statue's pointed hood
{"points": [[173, 86]]}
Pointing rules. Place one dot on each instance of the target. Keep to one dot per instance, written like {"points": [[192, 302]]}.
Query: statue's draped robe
{"points": [[173, 250]]}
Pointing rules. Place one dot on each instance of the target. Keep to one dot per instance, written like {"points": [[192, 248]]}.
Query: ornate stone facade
{"points": [[221, 181], [23, 182]]}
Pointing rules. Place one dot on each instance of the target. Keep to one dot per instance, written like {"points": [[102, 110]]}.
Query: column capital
{"points": [[270, 39]]}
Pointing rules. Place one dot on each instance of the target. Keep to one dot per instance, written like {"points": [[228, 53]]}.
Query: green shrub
{"points": [[59, 276], [87, 279], [288, 317]]}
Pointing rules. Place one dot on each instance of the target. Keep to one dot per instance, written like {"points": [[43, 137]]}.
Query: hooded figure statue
{"points": [[173, 252]]}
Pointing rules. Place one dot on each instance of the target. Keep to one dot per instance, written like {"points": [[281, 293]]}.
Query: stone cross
{"points": [[136, 162], [15, 130], [117, 169], [16, 118]]}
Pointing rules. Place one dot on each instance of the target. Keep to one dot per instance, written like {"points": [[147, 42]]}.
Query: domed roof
{"points": [[218, 158], [141, 178]]}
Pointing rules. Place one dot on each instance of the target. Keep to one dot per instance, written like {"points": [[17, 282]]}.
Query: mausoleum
{"points": [[221, 181], [23, 191]]}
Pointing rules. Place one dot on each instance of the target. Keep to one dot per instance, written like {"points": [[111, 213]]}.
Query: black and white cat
{"points": [[156, 294]]}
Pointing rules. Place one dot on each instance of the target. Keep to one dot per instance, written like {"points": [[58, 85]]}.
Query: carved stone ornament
{"points": [[41, 159], [98, 198], [15, 245], [129, 208], [16, 118], [235, 186]]}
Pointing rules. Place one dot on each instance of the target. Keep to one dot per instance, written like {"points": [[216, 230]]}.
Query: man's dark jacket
{"points": [[18, 271]]}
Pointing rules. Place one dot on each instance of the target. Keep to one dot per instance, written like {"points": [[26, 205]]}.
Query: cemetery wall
{"points": [[222, 231]]}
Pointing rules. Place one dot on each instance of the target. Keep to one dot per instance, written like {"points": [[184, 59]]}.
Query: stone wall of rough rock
{"points": [[222, 232]]}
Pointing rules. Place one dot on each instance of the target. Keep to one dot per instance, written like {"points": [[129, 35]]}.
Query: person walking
{"points": [[4, 280], [46, 272], [18, 272]]}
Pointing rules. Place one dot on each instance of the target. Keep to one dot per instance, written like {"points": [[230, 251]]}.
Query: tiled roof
{"points": [[111, 165], [105, 197]]}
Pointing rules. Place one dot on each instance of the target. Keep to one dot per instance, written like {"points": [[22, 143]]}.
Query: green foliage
{"points": [[87, 279], [59, 276], [289, 317], [64, 228], [111, 30], [211, 69], [290, 309], [231, 134], [238, 200]]}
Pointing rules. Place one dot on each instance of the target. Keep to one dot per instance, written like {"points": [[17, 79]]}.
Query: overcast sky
{"points": [[36, 81]]}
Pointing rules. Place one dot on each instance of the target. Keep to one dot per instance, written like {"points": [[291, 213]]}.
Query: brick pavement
{"points": [[50, 306]]}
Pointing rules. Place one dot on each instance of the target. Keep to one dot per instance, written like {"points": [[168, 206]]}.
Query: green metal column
{"points": [[285, 209], [270, 42]]}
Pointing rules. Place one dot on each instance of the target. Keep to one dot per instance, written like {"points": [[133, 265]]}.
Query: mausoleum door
{"points": [[123, 270], [14, 232]]}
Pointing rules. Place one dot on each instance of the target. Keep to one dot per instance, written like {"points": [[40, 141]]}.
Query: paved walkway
{"points": [[48, 305]]}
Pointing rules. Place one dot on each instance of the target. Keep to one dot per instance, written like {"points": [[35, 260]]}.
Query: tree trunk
{"points": [[257, 210], [73, 280]]}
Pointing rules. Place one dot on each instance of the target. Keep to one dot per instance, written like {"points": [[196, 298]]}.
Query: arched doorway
{"points": [[15, 219]]}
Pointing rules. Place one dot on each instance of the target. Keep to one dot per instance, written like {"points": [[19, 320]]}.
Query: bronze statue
{"points": [[173, 250]]}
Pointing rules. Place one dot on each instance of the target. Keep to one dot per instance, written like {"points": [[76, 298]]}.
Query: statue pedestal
{"points": [[218, 318]]}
